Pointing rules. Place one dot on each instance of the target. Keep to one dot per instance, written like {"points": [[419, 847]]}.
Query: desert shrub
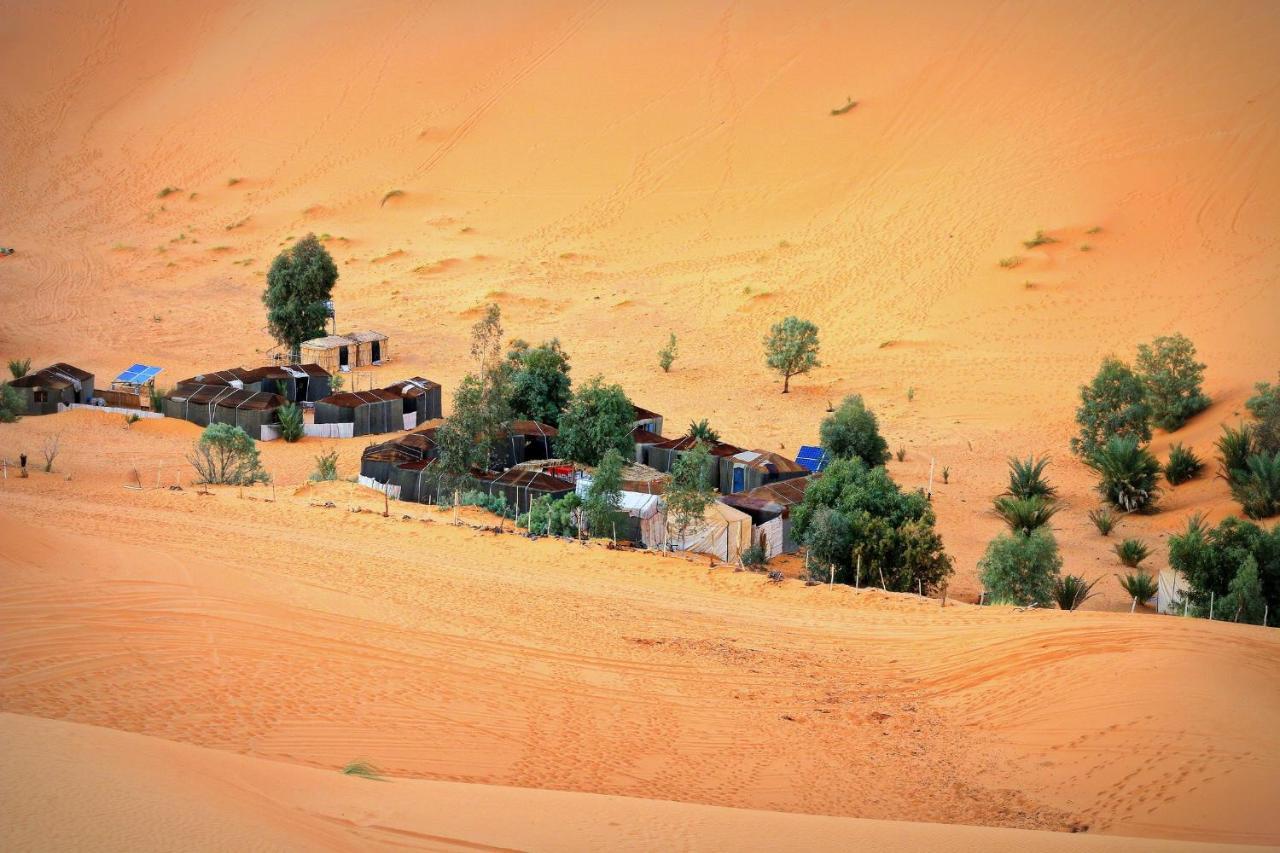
{"points": [[1040, 239], [540, 387], [1245, 601], [687, 495], [1257, 486], [225, 454], [1265, 406], [1172, 377], [851, 432], [496, 504], [390, 194], [1021, 567], [50, 449], [1027, 480], [598, 419], [754, 558], [363, 769], [1235, 446], [552, 516], [855, 510], [1132, 552], [291, 428], [1113, 404], [1127, 474], [1103, 519], [791, 349], [1071, 591], [19, 367], [1211, 558], [1139, 585], [1023, 515], [1182, 465], [326, 466], [702, 430], [946, 475], [901, 454], [667, 355], [776, 576], [156, 397], [11, 406]]}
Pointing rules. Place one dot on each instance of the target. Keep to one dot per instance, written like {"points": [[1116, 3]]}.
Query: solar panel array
{"points": [[139, 374], [812, 458]]}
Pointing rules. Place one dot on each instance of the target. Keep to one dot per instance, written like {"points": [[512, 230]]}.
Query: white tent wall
{"points": [[724, 534], [771, 535]]}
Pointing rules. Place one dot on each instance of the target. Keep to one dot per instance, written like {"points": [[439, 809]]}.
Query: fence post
{"points": [[1134, 606], [1210, 605]]}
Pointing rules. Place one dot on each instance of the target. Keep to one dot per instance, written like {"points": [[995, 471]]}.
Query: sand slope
{"points": [[69, 786]]}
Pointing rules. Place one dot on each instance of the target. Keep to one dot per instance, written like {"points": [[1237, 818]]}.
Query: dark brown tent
{"points": [[42, 391]]}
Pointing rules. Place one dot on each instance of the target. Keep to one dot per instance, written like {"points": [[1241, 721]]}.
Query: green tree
{"points": [[604, 496], [299, 283], [1210, 558], [1113, 404], [291, 426], [11, 406], [1022, 567], [1265, 406], [891, 530], [791, 349], [481, 408], [19, 367], [851, 432], [225, 454], [600, 417], [1172, 376], [702, 430], [667, 355], [540, 385], [552, 517], [688, 495]]}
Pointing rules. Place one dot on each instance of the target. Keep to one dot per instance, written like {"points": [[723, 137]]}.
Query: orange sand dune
{"points": [[116, 791], [610, 173]]}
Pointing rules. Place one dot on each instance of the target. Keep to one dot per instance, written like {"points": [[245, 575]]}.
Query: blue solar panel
{"points": [[139, 374], [812, 458]]}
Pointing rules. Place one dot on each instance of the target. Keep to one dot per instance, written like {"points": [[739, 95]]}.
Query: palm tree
{"points": [[1127, 473]]}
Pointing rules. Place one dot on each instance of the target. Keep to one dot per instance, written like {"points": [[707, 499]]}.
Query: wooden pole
{"points": [[386, 503], [880, 569], [944, 595], [857, 577], [832, 583], [1211, 605], [1134, 606], [932, 461]]}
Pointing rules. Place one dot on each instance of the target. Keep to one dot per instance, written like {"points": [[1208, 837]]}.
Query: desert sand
{"points": [[608, 174]]}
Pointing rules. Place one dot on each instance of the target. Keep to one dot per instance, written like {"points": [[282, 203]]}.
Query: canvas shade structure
{"points": [[222, 404], [421, 399], [723, 533], [643, 440], [378, 460], [664, 455], [368, 412], [643, 519], [524, 441], [300, 382], [645, 419], [750, 469], [43, 390], [770, 510]]}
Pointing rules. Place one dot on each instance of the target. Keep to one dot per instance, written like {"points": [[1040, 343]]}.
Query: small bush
{"points": [[1127, 474], [326, 467], [52, 447], [853, 432], [1070, 591], [225, 454], [556, 517], [390, 195], [1182, 465], [1132, 552], [911, 394], [19, 367], [1021, 567], [1024, 515], [291, 427], [667, 355], [1010, 262], [156, 397], [363, 769], [1139, 585], [496, 504], [168, 191], [946, 475], [902, 454], [1235, 446], [1103, 519], [1265, 406], [1027, 480], [11, 406], [754, 558], [702, 429], [1257, 486], [1040, 239]]}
